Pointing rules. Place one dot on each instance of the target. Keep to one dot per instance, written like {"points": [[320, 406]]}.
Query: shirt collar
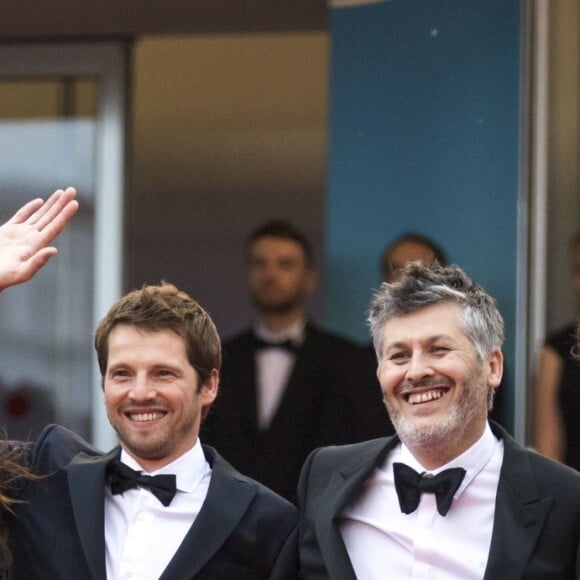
{"points": [[294, 332], [189, 469], [473, 460]]}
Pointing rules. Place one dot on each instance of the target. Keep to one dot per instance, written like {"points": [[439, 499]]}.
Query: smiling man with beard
{"points": [[451, 495], [161, 505]]}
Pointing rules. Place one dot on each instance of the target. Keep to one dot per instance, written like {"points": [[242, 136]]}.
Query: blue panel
{"points": [[424, 136]]}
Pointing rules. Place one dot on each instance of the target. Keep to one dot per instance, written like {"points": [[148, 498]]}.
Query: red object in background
{"points": [[17, 405]]}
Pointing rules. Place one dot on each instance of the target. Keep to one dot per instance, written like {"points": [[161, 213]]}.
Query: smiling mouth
{"points": [[143, 417], [415, 398]]}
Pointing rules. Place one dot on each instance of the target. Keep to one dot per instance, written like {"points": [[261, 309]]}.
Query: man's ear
{"points": [[495, 366], [210, 387]]}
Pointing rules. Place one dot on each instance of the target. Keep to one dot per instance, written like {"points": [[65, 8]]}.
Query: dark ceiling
{"points": [[60, 19]]}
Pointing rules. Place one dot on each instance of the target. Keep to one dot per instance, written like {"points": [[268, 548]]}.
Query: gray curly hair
{"points": [[420, 285]]}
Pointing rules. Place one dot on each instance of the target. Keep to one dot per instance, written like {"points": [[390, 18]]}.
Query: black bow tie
{"points": [[410, 485], [121, 478], [284, 344]]}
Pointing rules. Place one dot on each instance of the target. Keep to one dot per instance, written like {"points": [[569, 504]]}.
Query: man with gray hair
{"points": [[451, 495]]}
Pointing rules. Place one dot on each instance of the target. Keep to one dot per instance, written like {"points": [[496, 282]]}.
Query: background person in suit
{"points": [[288, 386], [161, 505], [451, 495]]}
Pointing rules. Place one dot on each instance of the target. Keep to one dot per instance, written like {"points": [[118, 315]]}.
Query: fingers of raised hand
{"points": [[26, 211], [34, 263], [52, 210], [42, 214]]}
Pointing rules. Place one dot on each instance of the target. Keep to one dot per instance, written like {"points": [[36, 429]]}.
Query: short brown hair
{"points": [[164, 307], [284, 230]]}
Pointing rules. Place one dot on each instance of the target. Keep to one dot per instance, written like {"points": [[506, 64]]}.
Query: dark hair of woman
{"points": [[10, 473]]}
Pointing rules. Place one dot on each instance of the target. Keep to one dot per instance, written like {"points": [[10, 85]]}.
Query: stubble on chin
{"points": [[416, 434], [144, 445], [148, 450], [444, 430]]}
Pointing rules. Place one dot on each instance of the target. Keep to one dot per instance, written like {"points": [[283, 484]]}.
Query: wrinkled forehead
{"points": [[443, 318]]}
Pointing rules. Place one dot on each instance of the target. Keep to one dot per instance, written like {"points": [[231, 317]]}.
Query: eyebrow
{"points": [[428, 340]]}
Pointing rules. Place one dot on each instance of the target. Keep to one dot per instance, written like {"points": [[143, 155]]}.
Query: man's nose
{"points": [[419, 367], [142, 388], [271, 269]]}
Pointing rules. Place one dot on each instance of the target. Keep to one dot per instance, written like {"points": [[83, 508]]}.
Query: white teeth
{"points": [[146, 416], [416, 398]]}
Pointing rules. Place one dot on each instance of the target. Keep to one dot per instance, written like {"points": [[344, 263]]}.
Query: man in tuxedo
{"points": [[451, 495], [288, 386], [161, 505], [406, 248]]}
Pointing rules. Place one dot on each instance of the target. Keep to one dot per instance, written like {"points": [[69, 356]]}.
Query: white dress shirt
{"points": [[424, 545], [141, 534], [273, 368]]}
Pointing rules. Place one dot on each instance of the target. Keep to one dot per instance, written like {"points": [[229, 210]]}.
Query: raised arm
{"points": [[25, 238], [549, 424]]}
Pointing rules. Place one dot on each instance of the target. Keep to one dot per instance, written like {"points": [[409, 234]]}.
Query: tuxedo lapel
{"points": [[345, 485], [296, 398], [302, 392], [86, 478], [246, 382], [519, 514], [228, 498]]}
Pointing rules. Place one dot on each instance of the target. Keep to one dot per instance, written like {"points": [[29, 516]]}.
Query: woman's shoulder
{"points": [[563, 340]]}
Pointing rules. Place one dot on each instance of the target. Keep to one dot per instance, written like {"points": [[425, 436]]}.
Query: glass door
{"points": [[62, 118]]}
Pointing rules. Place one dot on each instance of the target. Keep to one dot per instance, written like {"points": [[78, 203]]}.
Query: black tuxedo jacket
{"points": [[242, 531], [536, 533], [324, 403]]}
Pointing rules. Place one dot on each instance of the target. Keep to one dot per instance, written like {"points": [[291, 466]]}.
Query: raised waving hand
{"points": [[25, 238]]}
